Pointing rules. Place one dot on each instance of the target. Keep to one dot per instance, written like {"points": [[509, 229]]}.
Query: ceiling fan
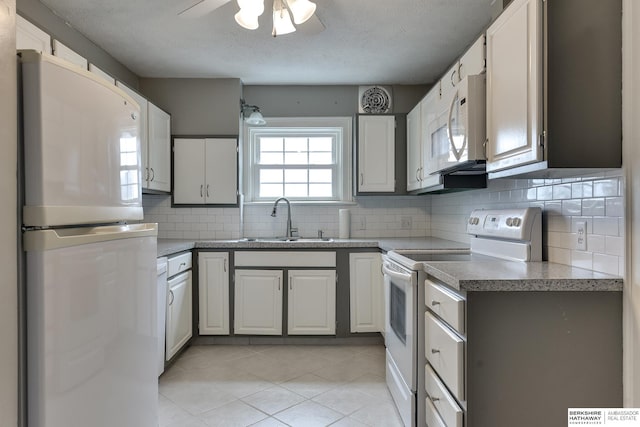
{"points": [[307, 22]]}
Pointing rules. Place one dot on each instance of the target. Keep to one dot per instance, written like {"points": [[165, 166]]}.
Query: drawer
{"points": [[446, 405], [179, 263], [445, 352], [431, 415], [446, 303]]}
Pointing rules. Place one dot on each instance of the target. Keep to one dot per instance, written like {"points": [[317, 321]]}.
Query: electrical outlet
{"points": [[405, 223], [362, 225], [581, 235]]}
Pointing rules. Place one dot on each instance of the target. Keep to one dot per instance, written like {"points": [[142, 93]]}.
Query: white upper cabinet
{"points": [[64, 52], [414, 148], [159, 151], [98, 71], [28, 36], [514, 86], [554, 99], [473, 61], [205, 171], [155, 143], [376, 153]]}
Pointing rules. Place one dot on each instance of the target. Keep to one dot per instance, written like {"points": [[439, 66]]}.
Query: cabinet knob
{"points": [[435, 351], [201, 190], [207, 190], [153, 174], [435, 399], [172, 297], [434, 303]]}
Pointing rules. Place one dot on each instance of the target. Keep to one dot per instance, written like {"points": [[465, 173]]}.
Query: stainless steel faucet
{"points": [[290, 230]]}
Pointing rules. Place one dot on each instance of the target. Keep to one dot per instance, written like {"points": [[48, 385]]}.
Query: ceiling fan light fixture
{"points": [[281, 20], [247, 20], [251, 7], [302, 10]]}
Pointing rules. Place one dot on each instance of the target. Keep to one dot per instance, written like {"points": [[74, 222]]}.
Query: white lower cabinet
{"points": [[179, 326], [213, 288], [258, 302], [312, 302], [366, 292]]}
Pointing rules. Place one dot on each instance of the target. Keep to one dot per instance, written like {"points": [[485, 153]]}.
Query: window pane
{"points": [[271, 176], [270, 158], [320, 190], [270, 190], [321, 144], [295, 144], [295, 190], [270, 144], [320, 175], [296, 175], [295, 158], [320, 158]]}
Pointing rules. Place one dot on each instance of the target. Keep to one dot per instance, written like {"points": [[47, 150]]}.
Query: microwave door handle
{"points": [[395, 274], [455, 151]]}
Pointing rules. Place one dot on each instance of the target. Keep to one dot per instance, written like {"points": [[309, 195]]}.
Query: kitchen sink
{"points": [[285, 239]]}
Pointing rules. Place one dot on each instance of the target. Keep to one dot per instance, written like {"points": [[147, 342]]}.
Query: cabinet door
{"points": [[221, 186], [366, 288], [312, 302], [62, 51], [159, 149], [188, 171], [376, 153], [429, 123], [414, 149], [144, 133], [514, 86], [179, 320], [473, 60], [213, 293], [258, 302], [28, 36]]}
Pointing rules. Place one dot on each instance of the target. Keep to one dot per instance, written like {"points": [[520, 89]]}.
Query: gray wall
{"points": [[197, 106], [309, 101], [57, 28], [8, 216]]}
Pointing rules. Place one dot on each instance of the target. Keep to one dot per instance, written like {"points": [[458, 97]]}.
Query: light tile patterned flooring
{"points": [[286, 385]]}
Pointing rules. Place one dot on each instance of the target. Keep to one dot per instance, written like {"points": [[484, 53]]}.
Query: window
{"points": [[300, 159]]}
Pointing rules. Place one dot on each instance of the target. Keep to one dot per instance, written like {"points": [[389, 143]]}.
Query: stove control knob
{"points": [[471, 220], [517, 222], [509, 222]]}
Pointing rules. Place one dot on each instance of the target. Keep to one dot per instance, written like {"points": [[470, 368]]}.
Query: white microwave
{"points": [[457, 135]]}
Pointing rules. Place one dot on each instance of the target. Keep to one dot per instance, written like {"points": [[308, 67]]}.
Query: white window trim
{"points": [[344, 178]]}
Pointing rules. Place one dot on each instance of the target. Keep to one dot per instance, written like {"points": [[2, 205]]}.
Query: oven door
{"points": [[401, 319]]}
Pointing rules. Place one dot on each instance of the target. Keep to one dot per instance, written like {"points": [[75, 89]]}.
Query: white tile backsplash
{"points": [[598, 200]]}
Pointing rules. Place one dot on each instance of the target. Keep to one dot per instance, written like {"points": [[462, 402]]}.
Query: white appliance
{"points": [[161, 271], [458, 133], [508, 234], [90, 277]]}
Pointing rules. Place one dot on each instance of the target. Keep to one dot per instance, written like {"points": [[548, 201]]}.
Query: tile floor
{"points": [[307, 386]]}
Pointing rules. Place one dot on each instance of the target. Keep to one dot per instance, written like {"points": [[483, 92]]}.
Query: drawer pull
{"points": [[435, 399], [434, 303], [172, 297], [435, 351], [182, 264]]}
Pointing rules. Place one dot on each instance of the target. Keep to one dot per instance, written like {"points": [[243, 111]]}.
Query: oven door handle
{"points": [[395, 274]]}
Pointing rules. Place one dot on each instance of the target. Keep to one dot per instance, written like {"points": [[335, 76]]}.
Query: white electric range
{"points": [[507, 234]]}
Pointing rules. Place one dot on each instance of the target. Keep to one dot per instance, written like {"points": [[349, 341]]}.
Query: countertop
{"points": [[499, 275], [171, 246], [488, 274]]}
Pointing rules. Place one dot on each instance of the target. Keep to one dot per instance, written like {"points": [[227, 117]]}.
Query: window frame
{"points": [[294, 126]]}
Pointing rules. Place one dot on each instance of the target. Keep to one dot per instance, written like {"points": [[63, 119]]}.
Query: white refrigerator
{"points": [[91, 303]]}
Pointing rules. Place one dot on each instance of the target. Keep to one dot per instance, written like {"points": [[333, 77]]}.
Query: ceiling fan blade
{"points": [[312, 26], [202, 8]]}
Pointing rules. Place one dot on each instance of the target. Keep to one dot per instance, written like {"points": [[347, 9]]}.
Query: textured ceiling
{"points": [[365, 41]]}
